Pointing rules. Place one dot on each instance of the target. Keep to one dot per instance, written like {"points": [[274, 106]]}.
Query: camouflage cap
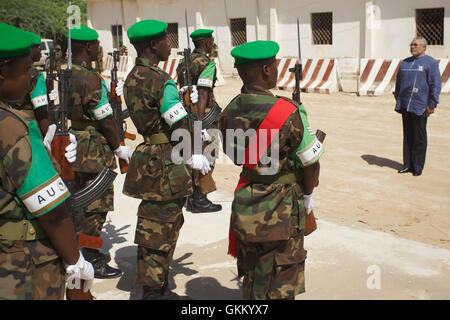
{"points": [[15, 42], [201, 33], [82, 33], [35, 39], [146, 30], [254, 51]]}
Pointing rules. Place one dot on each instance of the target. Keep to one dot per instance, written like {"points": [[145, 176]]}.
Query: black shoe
{"points": [[188, 203], [416, 174], [104, 271], [93, 255], [199, 203], [404, 170]]}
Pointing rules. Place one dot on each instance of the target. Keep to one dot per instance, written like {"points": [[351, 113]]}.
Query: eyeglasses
{"points": [[413, 45]]}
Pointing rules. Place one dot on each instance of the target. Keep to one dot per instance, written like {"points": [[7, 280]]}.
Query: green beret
{"points": [[35, 39], [254, 51], [146, 30], [15, 42], [201, 33], [82, 33]]}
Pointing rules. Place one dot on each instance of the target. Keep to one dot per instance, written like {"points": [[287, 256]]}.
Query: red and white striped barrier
{"points": [[124, 66], [170, 66], [377, 76], [319, 75]]}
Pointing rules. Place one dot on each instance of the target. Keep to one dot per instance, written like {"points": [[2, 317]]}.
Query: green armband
{"points": [[39, 94], [172, 110], [103, 108], [206, 78], [310, 149], [43, 189]]}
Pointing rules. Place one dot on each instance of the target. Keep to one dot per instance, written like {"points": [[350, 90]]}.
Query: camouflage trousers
{"points": [[91, 220], [27, 274], [157, 230], [272, 269]]}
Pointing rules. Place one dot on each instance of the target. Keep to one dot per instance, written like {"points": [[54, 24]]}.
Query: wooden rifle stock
{"points": [[310, 223], [59, 144]]}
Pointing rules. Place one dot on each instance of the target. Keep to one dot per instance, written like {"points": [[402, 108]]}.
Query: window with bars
{"points": [[430, 25], [322, 27], [172, 34], [238, 31], [116, 29]]}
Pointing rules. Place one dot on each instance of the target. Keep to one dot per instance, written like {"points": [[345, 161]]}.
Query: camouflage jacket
{"points": [[30, 186], [89, 103], [266, 211], [151, 173], [36, 96], [203, 73]]}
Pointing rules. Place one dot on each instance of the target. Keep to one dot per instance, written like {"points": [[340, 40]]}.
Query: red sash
{"points": [[274, 120]]}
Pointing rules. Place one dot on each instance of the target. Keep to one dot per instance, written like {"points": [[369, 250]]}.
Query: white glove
{"points": [[82, 270], [53, 95], [199, 162], [119, 87], [123, 152], [194, 94], [49, 137], [71, 149], [308, 203], [205, 136]]}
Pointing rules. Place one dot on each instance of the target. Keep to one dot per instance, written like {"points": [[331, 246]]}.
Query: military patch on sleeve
{"points": [[172, 110], [39, 94], [206, 78], [103, 108]]}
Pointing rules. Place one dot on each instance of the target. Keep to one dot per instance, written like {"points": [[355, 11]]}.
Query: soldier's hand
{"points": [[205, 136], [49, 137], [82, 270], [194, 93], [123, 152], [308, 203], [71, 149], [53, 95], [199, 162], [119, 88]]}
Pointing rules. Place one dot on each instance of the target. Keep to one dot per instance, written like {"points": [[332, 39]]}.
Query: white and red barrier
{"points": [[126, 63], [319, 75], [170, 66], [377, 76]]}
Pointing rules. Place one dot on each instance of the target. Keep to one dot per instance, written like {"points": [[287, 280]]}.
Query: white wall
{"points": [[276, 20]]}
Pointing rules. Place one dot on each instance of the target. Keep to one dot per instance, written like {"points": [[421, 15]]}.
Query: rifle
{"points": [[91, 192], [51, 77], [186, 53], [310, 222], [116, 104]]}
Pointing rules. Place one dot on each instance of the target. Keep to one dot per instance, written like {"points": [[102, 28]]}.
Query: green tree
{"points": [[46, 18]]}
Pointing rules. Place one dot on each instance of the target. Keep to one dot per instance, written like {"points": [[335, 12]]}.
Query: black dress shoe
{"points": [[417, 174], [105, 271], [404, 170]]}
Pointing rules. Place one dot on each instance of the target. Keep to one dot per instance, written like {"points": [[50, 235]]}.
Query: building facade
{"points": [[339, 29]]}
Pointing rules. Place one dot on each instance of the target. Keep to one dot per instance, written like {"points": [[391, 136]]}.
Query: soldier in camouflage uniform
{"points": [[269, 206], [36, 101], [123, 51], [99, 61], [153, 175], [203, 75], [214, 52], [93, 123], [58, 57], [36, 231]]}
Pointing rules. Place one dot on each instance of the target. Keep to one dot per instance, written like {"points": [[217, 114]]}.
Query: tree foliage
{"points": [[45, 18]]}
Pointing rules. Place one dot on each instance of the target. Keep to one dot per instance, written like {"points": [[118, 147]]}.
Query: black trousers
{"points": [[414, 141]]}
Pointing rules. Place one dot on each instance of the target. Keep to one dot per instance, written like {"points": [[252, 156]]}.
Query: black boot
{"points": [[158, 294], [200, 203], [99, 261]]}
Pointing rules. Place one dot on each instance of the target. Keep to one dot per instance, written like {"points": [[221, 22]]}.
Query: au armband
{"points": [[172, 110], [310, 149], [39, 94], [103, 108], [43, 189], [206, 78]]}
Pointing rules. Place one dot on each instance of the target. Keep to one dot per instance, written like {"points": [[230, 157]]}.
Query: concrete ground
{"points": [[381, 235]]}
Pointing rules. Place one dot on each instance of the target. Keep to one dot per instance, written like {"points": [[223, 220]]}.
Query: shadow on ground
{"points": [[208, 288], [381, 162]]}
